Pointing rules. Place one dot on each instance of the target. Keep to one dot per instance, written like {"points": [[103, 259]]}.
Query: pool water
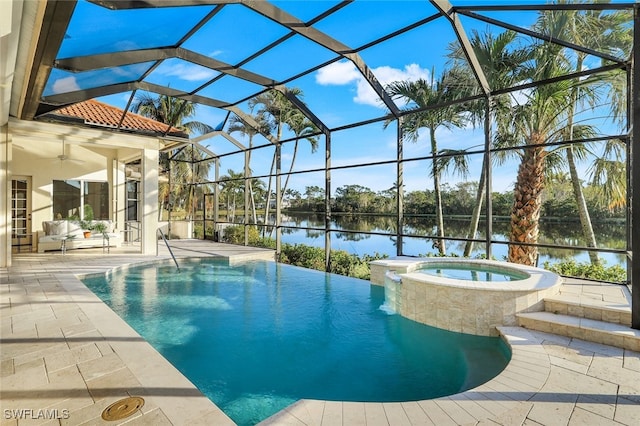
{"points": [[258, 336], [469, 272]]}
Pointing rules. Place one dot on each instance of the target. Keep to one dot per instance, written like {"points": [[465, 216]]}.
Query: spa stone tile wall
{"points": [[466, 310], [460, 309]]}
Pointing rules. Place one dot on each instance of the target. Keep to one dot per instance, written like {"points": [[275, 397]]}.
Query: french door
{"points": [[21, 235]]}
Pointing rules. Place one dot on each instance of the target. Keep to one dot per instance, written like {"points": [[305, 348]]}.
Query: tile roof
{"points": [[95, 113]]}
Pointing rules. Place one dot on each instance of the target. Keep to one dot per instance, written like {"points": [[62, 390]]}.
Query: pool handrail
{"points": [[169, 248]]}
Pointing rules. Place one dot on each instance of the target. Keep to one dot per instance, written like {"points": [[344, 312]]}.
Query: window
{"points": [[96, 198], [80, 199], [133, 199]]}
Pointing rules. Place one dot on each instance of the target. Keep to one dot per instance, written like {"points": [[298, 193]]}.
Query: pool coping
{"points": [[185, 403], [537, 279], [502, 399]]}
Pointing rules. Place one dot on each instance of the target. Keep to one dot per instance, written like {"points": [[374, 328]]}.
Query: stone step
{"points": [[591, 330], [612, 311]]}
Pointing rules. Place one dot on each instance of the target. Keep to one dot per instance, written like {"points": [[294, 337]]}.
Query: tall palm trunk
{"points": [[269, 182], [272, 172], [527, 204], [477, 208], [438, 194], [583, 211], [253, 202], [250, 183], [293, 160]]}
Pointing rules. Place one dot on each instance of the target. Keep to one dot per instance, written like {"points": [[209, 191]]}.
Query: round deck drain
{"points": [[123, 408]]}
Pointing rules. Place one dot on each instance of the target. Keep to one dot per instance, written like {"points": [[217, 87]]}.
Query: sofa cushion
{"points": [[74, 229], [55, 227]]}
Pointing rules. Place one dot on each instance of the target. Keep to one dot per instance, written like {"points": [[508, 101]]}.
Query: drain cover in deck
{"points": [[123, 408]]}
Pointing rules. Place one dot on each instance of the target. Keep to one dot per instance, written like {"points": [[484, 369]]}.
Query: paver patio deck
{"points": [[65, 354]]}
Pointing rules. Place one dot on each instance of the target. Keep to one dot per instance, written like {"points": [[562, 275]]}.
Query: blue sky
{"points": [[337, 94]]}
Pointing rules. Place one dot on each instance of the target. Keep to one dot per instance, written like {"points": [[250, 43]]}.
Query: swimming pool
{"points": [[258, 336]]}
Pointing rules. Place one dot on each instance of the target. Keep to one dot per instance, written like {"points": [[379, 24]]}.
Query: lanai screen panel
{"points": [[337, 62]]}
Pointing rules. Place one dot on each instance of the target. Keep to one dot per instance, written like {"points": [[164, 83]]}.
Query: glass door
{"points": [[21, 237]]}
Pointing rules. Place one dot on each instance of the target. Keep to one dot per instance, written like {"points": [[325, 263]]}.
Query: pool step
{"points": [[598, 308], [597, 331]]}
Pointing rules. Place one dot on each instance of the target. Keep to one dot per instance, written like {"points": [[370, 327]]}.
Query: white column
{"points": [[5, 198], [118, 194], [149, 201]]}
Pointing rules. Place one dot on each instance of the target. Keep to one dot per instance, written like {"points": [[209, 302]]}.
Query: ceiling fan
{"points": [[64, 157]]}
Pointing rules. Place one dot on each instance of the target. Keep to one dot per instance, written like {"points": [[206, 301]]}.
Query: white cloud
{"points": [[66, 84], [189, 72], [520, 97], [338, 73], [411, 72], [285, 157], [344, 73]]}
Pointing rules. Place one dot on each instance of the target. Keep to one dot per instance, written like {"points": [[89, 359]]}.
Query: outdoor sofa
{"points": [[68, 234]]}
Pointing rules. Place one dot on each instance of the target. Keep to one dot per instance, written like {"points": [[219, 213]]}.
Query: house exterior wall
{"points": [[5, 198], [44, 167], [149, 201], [31, 149]]}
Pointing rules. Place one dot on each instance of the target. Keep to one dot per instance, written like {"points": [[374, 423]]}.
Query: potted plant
{"points": [[99, 227], [86, 226]]}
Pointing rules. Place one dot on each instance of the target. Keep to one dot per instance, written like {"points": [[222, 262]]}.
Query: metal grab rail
{"points": [[169, 248]]}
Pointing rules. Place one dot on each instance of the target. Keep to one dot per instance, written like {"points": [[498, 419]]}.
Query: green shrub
{"points": [[303, 255], [342, 262], [266, 242], [198, 230], [235, 235], [571, 268]]}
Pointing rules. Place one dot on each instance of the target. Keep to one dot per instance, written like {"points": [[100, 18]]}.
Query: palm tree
{"points": [[608, 172], [602, 32], [423, 94], [292, 195], [163, 197], [176, 112], [238, 125], [302, 127], [454, 160], [314, 194], [170, 110], [607, 33], [609, 175], [274, 108], [231, 184], [532, 124], [501, 62]]}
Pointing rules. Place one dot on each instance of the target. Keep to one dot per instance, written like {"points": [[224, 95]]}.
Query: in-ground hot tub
{"points": [[464, 295]]}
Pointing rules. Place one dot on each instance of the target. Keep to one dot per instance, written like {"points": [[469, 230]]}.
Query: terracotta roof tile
{"points": [[96, 113]]}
